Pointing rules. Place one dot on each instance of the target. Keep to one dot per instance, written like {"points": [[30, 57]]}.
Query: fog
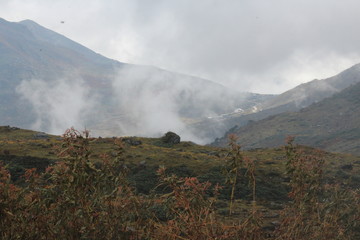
{"points": [[147, 102], [259, 46], [58, 104], [255, 46], [140, 101]]}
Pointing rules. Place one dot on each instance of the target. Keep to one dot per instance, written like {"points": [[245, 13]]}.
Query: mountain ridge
{"points": [[331, 124], [47, 35], [292, 100]]}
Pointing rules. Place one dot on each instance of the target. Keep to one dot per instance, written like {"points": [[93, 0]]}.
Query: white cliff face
{"points": [[236, 112], [239, 110], [256, 109]]}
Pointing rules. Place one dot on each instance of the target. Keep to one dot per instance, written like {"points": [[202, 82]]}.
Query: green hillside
{"points": [[27, 149], [292, 100], [332, 124]]}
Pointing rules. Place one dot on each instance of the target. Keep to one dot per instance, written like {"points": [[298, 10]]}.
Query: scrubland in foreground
{"points": [[84, 197]]}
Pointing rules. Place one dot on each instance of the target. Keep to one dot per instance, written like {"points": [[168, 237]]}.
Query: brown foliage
{"points": [[317, 211], [74, 199]]}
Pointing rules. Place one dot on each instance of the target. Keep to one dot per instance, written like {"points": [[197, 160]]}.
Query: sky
{"points": [[249, 45]]}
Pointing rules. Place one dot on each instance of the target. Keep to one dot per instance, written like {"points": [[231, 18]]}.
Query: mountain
{"points": [[290, 101], [29, 51], [314, 91], [49, 82], [331, 124]]}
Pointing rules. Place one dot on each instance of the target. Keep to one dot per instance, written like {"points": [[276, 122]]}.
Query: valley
{"points": [[164, 155]]}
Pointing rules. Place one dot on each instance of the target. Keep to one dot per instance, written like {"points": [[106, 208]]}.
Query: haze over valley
{"points": [[169, 119], [50, 83], [172, 69]]}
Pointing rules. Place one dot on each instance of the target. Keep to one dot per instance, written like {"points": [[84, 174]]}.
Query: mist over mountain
{"points": [[331, 124], [49, 83], [314, 91], [290, 101]]}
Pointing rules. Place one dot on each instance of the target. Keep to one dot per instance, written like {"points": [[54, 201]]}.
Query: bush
{"points": [[75, 199]]}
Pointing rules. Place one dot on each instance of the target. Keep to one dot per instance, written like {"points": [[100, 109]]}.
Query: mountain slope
{"points": [[290, 101], [331, 124], [314, 91], [28, 52], [49, 82], [45, 35]]}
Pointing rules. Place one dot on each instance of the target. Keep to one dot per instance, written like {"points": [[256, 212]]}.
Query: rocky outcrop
{"points": [[171, 138]]}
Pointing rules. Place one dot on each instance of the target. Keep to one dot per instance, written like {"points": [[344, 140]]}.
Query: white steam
{"points": [[133, 101], [144, 101], [58, 104], [148, 103]]}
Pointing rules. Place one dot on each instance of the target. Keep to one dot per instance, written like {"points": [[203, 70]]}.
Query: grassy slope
{"points": [[332, 124], [203, 161], [200, 159]]}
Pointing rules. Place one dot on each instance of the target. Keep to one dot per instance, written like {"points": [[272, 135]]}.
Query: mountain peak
{"points": [[46, 35], [28, 21]]}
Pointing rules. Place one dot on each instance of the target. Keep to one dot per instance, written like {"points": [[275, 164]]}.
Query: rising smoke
{"points": [[152, 102], [140, 101], [58, 104]]}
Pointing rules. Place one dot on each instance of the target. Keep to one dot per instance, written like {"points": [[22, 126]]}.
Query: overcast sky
{"points": [[265, 46]]}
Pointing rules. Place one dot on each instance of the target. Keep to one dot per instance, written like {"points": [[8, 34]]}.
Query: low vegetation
{"points": [[118, 189]]}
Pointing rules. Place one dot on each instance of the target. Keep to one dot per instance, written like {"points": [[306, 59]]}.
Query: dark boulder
{"points": [[171, 138]]}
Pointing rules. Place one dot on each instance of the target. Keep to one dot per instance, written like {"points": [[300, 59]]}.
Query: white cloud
{"points": [[58, 104], [147, 100], [252, 45]]}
